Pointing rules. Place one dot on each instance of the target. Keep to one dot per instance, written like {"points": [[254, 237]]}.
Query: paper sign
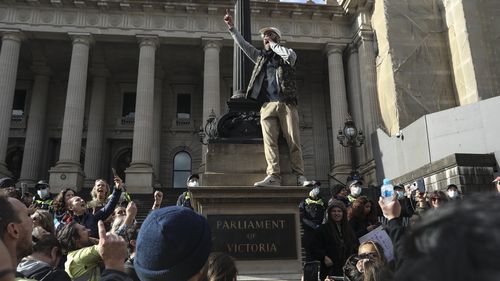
{"points": [[380, 236]]}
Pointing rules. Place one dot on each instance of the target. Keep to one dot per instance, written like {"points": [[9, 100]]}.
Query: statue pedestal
{"points": [[242, 164], [257, 226]]}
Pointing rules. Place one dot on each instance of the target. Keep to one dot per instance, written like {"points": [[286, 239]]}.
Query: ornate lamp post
{"points": [[350, 135], [210, 129]]}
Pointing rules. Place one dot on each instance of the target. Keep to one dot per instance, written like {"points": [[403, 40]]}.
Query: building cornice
{"points": [[307, 26], [189, 7]]}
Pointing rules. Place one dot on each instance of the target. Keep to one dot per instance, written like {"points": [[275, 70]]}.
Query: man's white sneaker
{"points": [[269, 181], [301, 180]]}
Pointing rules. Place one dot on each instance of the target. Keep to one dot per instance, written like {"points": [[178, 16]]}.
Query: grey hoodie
{"points": [[39, 270]]}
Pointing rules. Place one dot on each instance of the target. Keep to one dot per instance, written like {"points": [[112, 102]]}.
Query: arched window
{"points": [[182, 169]]}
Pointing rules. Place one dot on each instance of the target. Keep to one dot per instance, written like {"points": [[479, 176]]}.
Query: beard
{"points": [[24, 249]]}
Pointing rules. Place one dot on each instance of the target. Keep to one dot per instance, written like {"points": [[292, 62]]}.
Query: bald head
{"points": [[17, 226]]}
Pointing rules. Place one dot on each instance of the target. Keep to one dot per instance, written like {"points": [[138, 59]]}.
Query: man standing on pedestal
{"points": [[273, 82]]}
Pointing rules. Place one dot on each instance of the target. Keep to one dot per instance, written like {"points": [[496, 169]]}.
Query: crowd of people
{"points": [[425, 228], [63, 237], [448, 237]]}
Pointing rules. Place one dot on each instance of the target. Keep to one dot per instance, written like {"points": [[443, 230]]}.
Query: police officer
{"points": [[185, 198], [43, 198], [311, 210]]}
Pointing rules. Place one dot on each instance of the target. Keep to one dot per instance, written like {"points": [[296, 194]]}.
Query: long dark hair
{"points": [[356, 211], [59, 203]]}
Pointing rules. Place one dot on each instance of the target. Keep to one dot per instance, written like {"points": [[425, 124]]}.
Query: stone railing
{"points": [[183, 124], [18, 120]]}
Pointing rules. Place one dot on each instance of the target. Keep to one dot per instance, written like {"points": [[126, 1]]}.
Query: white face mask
{"points": [[193, 183], [42, 193], [355, 190], [452, 194], [314, 192]]}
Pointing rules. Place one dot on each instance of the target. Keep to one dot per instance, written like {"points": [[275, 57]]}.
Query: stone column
{"points": [[95, 131], [211, 82], [338, 104], [355, 99], [242, 66], [211, 78], [139, 176], [33, 146], [9, 59], [68, 171], [157, 124], [371, 108]]}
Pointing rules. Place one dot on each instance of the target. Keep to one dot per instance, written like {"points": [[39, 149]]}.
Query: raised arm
{"points": [[250, 51], [108, 209]]}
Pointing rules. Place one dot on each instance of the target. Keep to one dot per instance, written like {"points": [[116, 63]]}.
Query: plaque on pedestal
{"points": [[259, 227]]}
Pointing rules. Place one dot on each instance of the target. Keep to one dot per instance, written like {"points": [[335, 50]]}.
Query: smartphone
{"points": [[311, 271], [420, 185]]}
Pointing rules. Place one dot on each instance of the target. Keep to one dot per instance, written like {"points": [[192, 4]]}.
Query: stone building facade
{"points": [[90, 85]]}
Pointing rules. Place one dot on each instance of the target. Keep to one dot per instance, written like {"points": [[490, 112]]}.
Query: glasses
{"points": [[436, 199], [370, 256]]}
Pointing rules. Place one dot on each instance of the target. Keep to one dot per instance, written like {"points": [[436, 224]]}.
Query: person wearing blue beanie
{"points": [[173, 245]]}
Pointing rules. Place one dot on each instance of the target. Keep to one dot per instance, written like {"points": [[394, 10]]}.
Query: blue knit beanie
{"points": [[173, 245]]}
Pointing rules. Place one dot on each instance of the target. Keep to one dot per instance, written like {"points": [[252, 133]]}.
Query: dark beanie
{"points": [[173, 245]]}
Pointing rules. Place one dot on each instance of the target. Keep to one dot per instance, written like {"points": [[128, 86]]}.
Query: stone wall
{"points": [[471, 27], [413, 67], [470, 172]]}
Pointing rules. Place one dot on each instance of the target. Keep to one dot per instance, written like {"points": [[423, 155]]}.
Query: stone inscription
{"points": [[254, 237]]}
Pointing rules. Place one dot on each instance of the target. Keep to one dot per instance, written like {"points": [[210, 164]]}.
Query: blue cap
{"points": [[173, 244], [387, 181]]}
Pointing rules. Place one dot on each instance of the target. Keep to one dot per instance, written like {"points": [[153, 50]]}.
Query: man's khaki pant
{"points": [[273, 117]]}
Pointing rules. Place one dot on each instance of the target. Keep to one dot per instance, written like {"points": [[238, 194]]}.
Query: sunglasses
{"points": [[436, 199], [369, 256]]}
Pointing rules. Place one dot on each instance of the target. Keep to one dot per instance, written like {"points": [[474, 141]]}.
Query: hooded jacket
{"points": [[39, 270], [336, 241]]}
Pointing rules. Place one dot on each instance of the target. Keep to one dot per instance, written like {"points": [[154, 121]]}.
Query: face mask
{"points": [[356, 190], [452, 194], [193, 183], [314, 192], [401, 195], [42, 193]]}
